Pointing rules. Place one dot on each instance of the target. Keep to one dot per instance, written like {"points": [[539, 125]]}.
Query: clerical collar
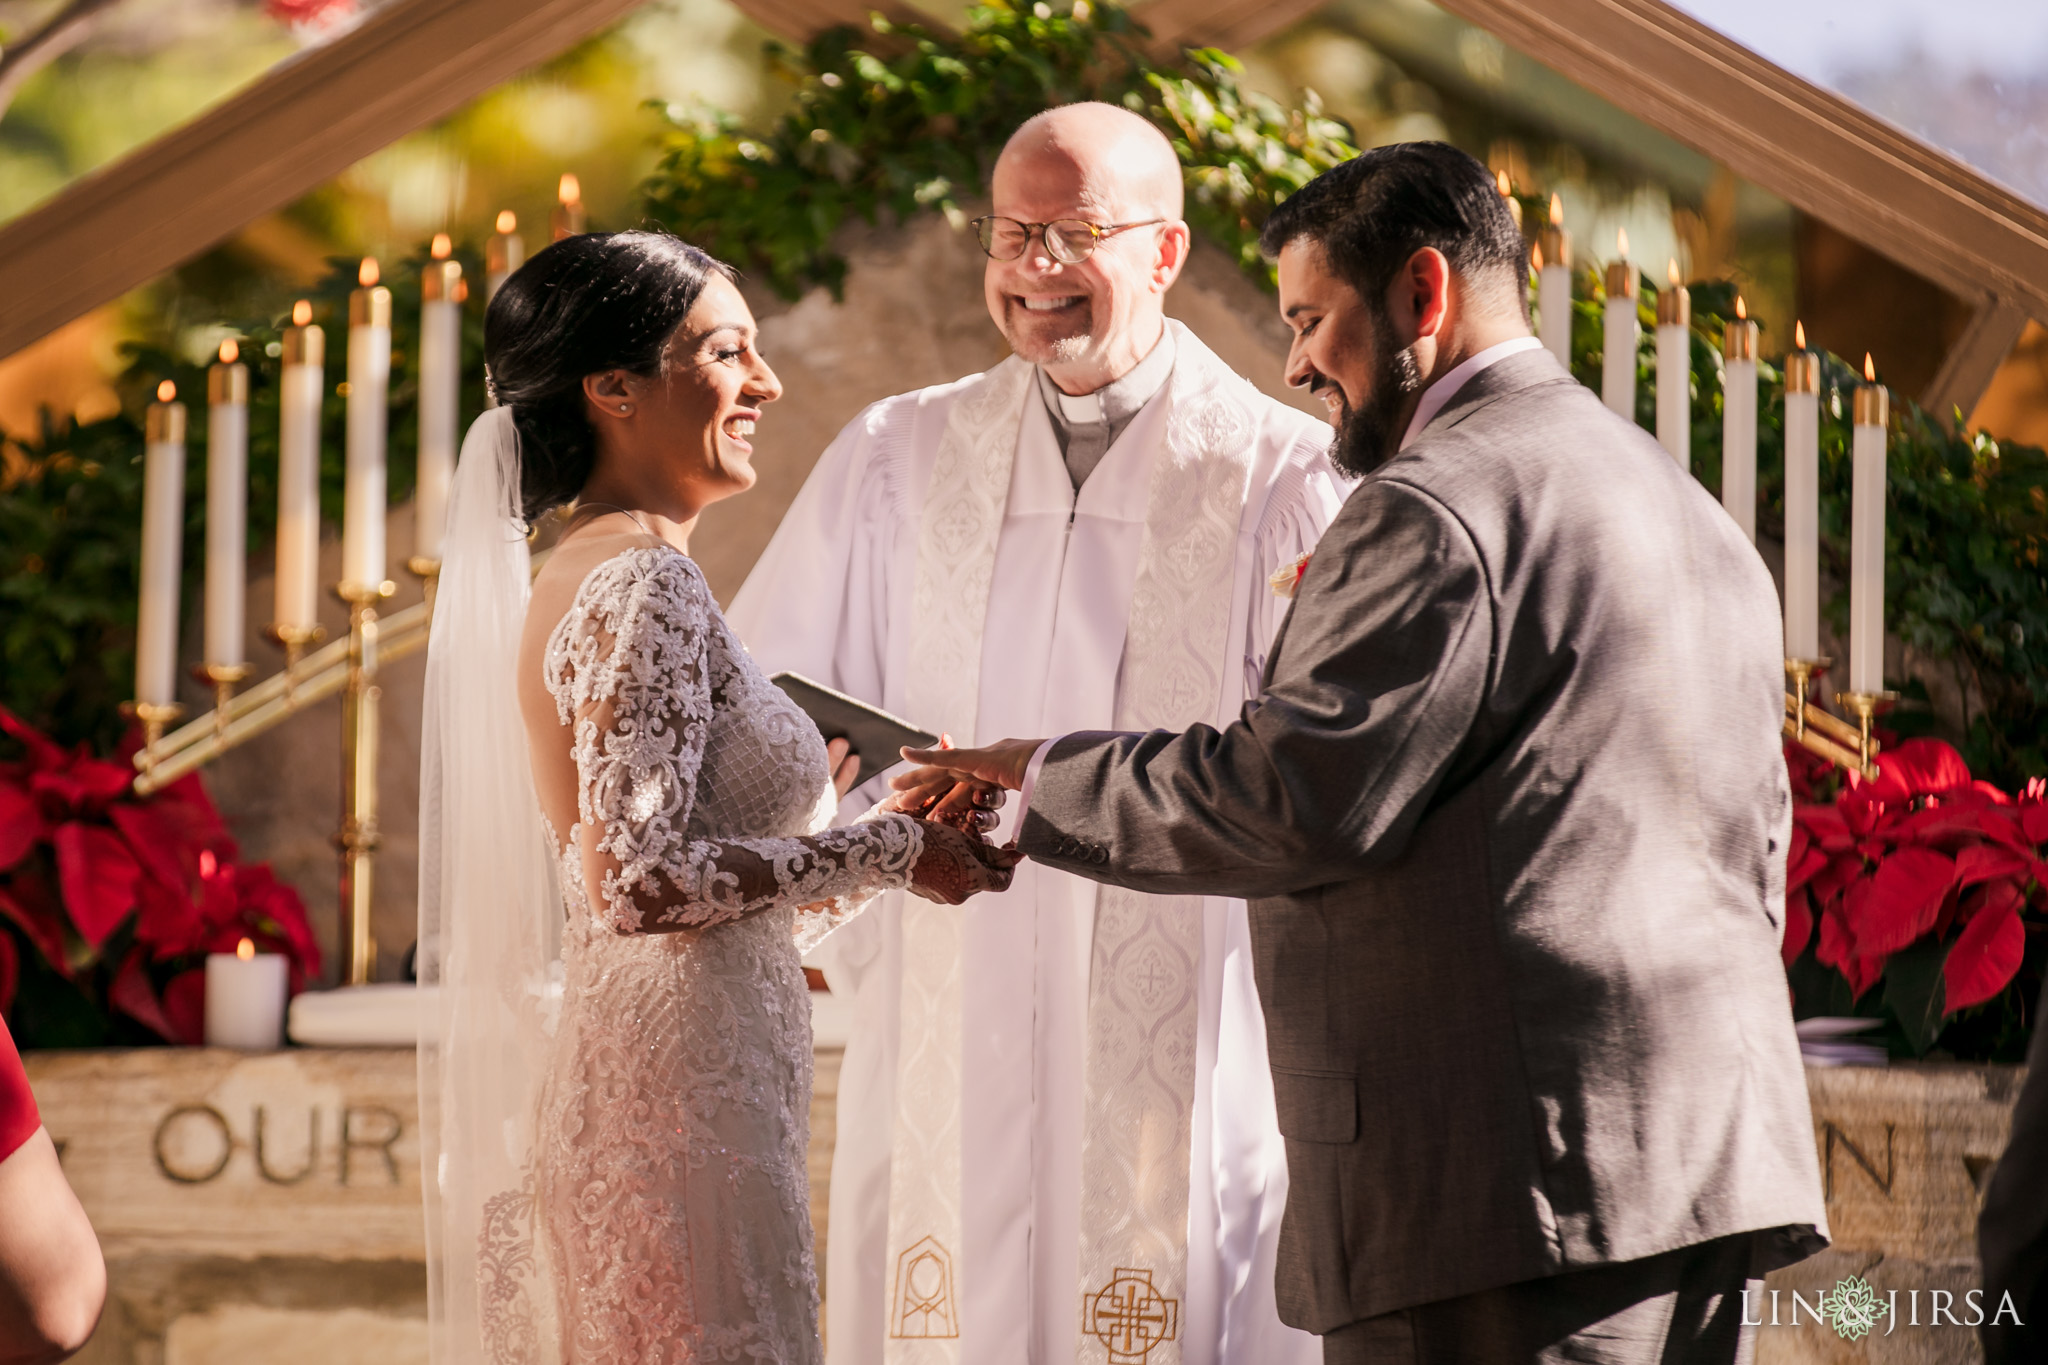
{"points": [[1100, 417]]}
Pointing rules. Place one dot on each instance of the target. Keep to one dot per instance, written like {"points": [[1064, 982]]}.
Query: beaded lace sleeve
{"points": [[633, 669]]}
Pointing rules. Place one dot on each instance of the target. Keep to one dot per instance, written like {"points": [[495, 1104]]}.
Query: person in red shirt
{"points": [[53, 1281]]}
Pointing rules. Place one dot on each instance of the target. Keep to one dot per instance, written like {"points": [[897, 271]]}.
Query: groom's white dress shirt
{"points": [[831, 598]]}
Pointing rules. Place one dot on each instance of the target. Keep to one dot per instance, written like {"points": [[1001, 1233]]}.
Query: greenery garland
{"points": [[913, 126]]}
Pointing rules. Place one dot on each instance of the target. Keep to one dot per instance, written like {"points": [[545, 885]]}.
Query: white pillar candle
{"points": [[227, 506], [163, 544], [1618, 342], [1866, 534], [1802, 502], [1554, 286], [301, 391], [369, 384], [1674, 369], [1738, 420], [245, 997], [441, 294]]}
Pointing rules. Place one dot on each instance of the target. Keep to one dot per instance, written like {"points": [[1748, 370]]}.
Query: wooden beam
{"points": [[1816, 150], [1229, 24], [1973, 361], [305, 122], [802, 20]]}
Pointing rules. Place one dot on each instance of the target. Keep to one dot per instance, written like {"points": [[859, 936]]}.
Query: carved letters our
{"points": [[194, 1144]]}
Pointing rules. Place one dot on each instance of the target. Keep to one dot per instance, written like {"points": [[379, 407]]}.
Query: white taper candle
{"points": [[441, 294], [1674, 370], [1738, 421], [1618, 340], [163, 544], [1802, 502], [301, 390], [1554, 286], [369, 384], [227, 507], [1866, 534], [505, 253]]}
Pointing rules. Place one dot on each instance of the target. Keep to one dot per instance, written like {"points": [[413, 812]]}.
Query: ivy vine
{"points": [[905, 120]]}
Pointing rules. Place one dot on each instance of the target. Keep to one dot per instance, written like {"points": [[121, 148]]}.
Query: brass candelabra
{"points": [[1853, 748], [314, 670]]}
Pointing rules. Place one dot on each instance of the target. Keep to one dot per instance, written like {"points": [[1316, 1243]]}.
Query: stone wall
{"points": [[258, 1207], [912, 315], [249, 1201], [1906, 1154], [247, 1205]]}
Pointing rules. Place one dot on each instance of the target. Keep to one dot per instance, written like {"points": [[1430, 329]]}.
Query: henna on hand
{"points": [[955, 865], [966, 804]]}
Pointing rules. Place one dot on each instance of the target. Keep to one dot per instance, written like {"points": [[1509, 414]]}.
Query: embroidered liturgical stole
{"points": [[1146, 953]]}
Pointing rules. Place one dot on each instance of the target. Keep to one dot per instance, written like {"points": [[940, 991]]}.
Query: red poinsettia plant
{"points": [[119, 897], [1925, 882], [309, 13]]}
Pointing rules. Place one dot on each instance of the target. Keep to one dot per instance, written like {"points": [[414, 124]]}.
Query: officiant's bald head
{"points": [[1087, 320]]}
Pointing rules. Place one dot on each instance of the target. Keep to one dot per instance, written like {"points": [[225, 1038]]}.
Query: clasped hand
{"points": [[955, 806]]}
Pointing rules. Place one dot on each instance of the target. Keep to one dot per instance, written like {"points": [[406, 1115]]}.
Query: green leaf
{"points": [[1914, 992]]}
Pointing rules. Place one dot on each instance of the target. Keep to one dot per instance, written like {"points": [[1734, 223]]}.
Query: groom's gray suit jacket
{"points": [[1511, 814]]}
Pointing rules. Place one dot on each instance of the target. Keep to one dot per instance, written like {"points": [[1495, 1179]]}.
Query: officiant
{"points": [[1056, 1124]]}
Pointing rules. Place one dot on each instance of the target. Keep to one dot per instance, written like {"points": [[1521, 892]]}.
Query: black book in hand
{"points": [[874, 734]]}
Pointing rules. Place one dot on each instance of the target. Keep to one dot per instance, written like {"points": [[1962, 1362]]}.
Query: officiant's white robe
{"points": [[830, 598]]}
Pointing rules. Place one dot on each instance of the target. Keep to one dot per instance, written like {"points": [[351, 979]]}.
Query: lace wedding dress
{"points": [[670, 1185]]}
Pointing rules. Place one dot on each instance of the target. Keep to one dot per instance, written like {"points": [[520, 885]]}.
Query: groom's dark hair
{"points": [[1375, 211], [590, 303]]}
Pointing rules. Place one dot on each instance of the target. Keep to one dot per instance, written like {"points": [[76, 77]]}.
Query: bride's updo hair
{"points": [[601, 301]]}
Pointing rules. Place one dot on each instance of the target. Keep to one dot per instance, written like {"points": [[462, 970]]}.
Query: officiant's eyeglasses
{"points": [[1069, 241]]}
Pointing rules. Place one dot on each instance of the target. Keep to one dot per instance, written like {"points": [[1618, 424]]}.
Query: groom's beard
{"points": [[1367, 435]]}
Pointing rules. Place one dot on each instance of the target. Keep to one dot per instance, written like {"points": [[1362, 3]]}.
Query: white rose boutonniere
{"points": [[1287, 578]]}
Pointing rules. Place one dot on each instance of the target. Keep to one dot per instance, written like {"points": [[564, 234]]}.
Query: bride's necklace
{"points": [[583, 507]]}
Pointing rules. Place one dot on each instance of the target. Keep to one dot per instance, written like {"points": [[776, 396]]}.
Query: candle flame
{"points": [[1556, 210], [1799, 335], [1536, 255], [1671, 272], [569, 191], [508, 221], [245, 950], [229, 351], [1502, 183], [1869, 370], [1741, 309], [302, 313], [367, 275], [1621, 243], [166, 391], [441, 247]]}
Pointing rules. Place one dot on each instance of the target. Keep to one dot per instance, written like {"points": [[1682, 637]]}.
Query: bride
{"points": [[615, 1096]]}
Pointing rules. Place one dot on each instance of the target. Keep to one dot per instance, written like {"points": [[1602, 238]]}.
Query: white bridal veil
{"points": [[489, 933]]}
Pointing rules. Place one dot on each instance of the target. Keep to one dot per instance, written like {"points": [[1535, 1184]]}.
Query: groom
{"points": [[1056, 1131], [1512, 815]]}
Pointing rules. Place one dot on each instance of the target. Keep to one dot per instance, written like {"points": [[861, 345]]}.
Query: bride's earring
{"points": [[625, 407]]}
